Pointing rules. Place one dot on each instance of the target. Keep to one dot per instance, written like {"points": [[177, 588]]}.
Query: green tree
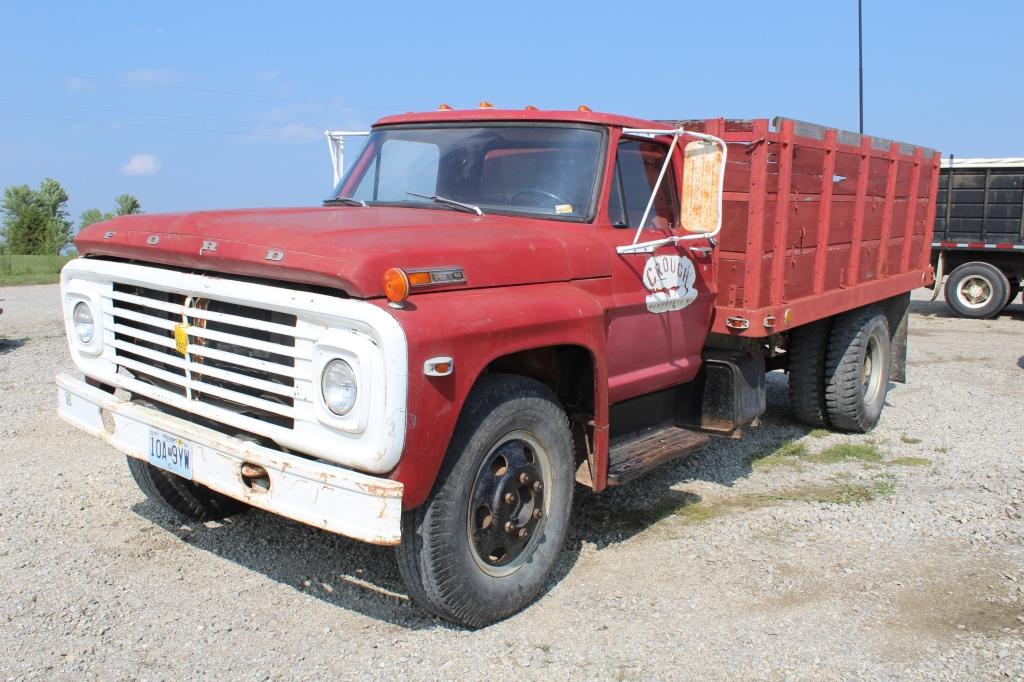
{"points": [[126, 204], [35, 221]]}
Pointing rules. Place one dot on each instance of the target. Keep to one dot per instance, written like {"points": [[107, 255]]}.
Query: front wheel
{"points": [[483, 545]]}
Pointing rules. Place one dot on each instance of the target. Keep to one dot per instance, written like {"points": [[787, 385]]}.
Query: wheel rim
{"points": [[872, 370], [509, 505], [974, 291]]}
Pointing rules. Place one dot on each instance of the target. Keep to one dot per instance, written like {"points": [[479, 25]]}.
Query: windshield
{"points": [[542, 170]]}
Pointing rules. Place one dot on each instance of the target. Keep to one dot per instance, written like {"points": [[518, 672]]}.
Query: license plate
{"points": [[171, 453]]}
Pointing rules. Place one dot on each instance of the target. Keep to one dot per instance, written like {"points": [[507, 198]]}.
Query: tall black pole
{"points": [[860, 68]]}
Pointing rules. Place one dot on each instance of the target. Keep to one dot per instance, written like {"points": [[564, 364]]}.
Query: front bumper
{"points": [[338, 500]]}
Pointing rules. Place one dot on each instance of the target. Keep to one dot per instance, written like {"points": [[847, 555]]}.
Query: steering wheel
{"points": [[538, 193]]}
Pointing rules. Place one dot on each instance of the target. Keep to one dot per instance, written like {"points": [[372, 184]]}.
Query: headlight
{"points": [[338, 384], [84, 324]]}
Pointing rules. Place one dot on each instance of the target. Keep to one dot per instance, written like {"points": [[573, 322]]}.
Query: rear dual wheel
{"points": [[483, 545], [839, 370]]}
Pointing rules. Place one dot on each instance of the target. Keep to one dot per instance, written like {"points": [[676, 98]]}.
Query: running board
{"points": [[636, 455]]}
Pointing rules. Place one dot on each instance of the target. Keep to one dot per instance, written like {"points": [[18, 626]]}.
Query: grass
{"points": [[846, 452], [15, 270], [836, 490], [788, 454], [942, 450], [819, 433], [910, 462], [909, 440]]}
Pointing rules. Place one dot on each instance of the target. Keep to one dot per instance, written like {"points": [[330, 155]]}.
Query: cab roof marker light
{"points": [[583, 107], [486, 105], [445, 107], [530, 107]]}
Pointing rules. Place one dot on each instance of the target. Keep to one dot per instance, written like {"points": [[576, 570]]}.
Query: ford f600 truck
{"points": [[492, 307]]}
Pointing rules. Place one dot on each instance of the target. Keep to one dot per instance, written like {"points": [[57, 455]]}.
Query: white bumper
{"points": [[338, 500]]}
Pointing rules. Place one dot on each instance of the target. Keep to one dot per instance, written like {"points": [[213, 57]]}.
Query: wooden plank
{"points": [[825, 210], [781, 213], [755, 213], [908, 225], [853, 266], [890, 199], [925, 257]]}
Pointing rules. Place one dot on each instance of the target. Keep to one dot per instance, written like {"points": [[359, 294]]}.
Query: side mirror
{"points": [[702, 186]]}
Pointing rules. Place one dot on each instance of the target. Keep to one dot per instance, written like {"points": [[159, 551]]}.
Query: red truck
{"points": [[492, 307]]}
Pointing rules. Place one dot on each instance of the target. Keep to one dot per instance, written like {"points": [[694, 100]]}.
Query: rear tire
{"points": [[857, 369], [977, 290], [191, 500], [459, 559], [807, 346]]}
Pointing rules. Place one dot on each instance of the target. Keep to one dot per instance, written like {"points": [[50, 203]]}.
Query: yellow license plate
{"points": [[181, 338]]}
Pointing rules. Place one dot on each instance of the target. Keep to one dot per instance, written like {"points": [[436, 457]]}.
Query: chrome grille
{"points": [[237, 358]]}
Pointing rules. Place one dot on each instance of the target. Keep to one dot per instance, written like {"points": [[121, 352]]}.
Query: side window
{"points": [[637, 165], [408, 167]]}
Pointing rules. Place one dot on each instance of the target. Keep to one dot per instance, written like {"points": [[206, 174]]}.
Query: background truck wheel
{"points": [[807, 345], [1014, 292], [857, 369], [485, 542], [977, 290], [191, 500]]}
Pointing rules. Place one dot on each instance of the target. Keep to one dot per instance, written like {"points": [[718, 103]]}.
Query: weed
{"points": [[819, 433], [909, 440]]}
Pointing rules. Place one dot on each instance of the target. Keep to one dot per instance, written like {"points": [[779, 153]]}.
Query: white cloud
{"points": [[141, 164], [151, 77], [290, 132], [76, 84], [268, 75]]}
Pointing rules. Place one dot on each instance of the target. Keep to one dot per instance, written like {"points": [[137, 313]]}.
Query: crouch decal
{"points": [[670, 281]]}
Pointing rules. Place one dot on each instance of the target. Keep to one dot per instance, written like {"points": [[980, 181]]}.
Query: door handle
{"points": [[703, 250]]}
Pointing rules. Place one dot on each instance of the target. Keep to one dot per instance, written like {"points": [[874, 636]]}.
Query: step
{"points": [[636, 455]]}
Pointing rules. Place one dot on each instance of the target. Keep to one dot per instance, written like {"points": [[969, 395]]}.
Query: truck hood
{"points": [[350, 247]]}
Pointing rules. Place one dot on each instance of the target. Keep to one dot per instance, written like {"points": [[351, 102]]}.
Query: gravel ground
{"points": [[774, 557]]}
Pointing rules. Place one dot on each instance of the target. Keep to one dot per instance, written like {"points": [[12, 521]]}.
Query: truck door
{"points": [[661, 300]]}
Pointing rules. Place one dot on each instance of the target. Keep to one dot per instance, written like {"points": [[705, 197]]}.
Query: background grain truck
{"points": [[979, 234], [493, 306]]}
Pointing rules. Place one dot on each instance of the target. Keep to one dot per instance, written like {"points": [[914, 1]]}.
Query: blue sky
{"points": [[215, 104]]}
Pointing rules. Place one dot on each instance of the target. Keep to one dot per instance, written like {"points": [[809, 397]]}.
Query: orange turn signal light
{"points": [[486, 105], [396, 285]]}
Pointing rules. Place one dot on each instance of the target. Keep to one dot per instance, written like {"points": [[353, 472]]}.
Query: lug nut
{"points": [[537, 486], [523, 533], [524, 478], [509, 498], [536, 514], [509, 528]]}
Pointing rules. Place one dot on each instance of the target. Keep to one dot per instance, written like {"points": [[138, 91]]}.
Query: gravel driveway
{"points": [[786, 555]]}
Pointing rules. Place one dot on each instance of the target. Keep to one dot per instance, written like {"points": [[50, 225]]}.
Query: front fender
{"points": [[474, 328]]}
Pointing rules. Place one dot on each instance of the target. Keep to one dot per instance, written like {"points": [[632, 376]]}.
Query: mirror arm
{"points": [[639, 247]]}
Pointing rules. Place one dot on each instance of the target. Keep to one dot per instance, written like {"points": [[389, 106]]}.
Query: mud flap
{"points": [[897, 309]]}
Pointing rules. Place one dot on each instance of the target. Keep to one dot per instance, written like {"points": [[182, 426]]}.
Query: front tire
{"points": [[857, 369], [977, 290], [483, 545], [191, 500]]}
